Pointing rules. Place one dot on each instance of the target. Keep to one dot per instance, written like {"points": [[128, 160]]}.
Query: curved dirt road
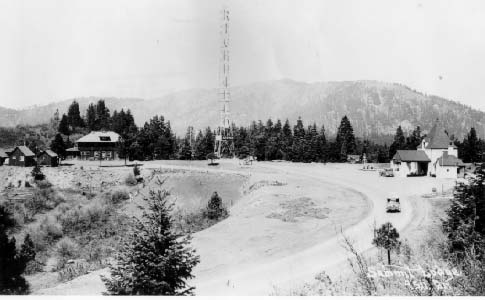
{"points": [[244, 269], [261, 278]]}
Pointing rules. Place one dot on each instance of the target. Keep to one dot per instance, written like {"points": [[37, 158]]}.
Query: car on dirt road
{"points": [[393, 205], [386, 173]]}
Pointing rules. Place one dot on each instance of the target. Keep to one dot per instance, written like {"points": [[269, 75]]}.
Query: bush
{"points": [[215, 209], [45, 234], [66, 248], [43, 199], [37, 173], [80, 219], [136, 170], [72, 271], [118, 196], [43, 184], [130, 180]]}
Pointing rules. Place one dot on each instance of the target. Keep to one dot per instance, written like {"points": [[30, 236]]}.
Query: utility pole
{"points": [[224, 144]]}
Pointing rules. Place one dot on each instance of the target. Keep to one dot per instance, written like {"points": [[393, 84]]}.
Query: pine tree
{"points": [[102, 116], [345, 140], [91, 117], [414, 140], [12, 264], [298, 141], [399, 142], [322, 145], [155, 260], [465, 222], [74, 115], [215, 208], [64, 125], [387, 237], [57, 145], [287, 141], [27, 250], [471, 147]]}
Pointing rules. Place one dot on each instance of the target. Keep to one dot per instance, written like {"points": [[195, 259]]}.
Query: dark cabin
{"points": [[3, 157], [47, 158], [21, 156]]}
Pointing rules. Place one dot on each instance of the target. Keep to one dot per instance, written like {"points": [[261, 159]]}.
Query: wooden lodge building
{"points": [[99, 145], [47, 158], [21, 156]]}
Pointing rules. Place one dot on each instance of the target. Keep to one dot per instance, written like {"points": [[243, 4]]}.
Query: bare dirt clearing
{"points": [[285, 228]]}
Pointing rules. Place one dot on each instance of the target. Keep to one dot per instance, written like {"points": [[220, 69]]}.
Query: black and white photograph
{"points": [[242, 148]]}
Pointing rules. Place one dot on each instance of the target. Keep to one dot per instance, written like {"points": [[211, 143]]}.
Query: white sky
{"points": [[52, 50]]}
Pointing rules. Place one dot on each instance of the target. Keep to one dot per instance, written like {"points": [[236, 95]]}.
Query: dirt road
{"points": [[301, 265], [267, 242]]}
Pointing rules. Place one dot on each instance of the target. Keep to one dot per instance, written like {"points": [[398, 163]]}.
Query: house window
{"points": [[22, 158]]}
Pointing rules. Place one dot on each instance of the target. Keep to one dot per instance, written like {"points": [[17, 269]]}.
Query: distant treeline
{"points": [[272, 140]]}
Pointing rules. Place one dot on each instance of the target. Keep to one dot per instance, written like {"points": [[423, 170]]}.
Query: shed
{"points": [[21, 156], [48, 158], [72, 153], [3, 157]]}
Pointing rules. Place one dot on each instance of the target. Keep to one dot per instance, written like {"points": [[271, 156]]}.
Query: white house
{"points": [[436, 156]]}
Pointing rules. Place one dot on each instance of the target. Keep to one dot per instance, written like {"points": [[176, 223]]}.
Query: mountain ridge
{"points": [[374, 107]]}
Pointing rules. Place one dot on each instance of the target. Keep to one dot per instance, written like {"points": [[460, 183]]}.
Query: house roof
{"points": [[411, 155], [447, 160], [3, 153], [73, 149], [100, 137], [25, 150], [50, 153], [437, 138]]}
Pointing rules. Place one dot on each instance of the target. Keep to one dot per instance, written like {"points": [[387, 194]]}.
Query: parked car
{"points": [[393, 204], [386, 173]]}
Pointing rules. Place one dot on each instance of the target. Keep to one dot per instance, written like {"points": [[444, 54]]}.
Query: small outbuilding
{"points": [[72, 153], [3, 157], [48, 158], [21, 156]]}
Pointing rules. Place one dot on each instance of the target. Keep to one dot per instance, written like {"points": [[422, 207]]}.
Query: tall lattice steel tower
{"points": [[224, 145]]}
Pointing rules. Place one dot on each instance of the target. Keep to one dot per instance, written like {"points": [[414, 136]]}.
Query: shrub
{"points": [[66, 248], [45, 234], [136, 170], [80, 219], [72, 271], [43, 184], [37, 173], [119, 196], [130, 180], [215, 209]]}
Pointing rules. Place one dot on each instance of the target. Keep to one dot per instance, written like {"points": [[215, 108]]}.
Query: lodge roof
{"points": [[437, 138], [73, 149], [25, 150], [411, 155], [447, 160], [100, 137]]}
